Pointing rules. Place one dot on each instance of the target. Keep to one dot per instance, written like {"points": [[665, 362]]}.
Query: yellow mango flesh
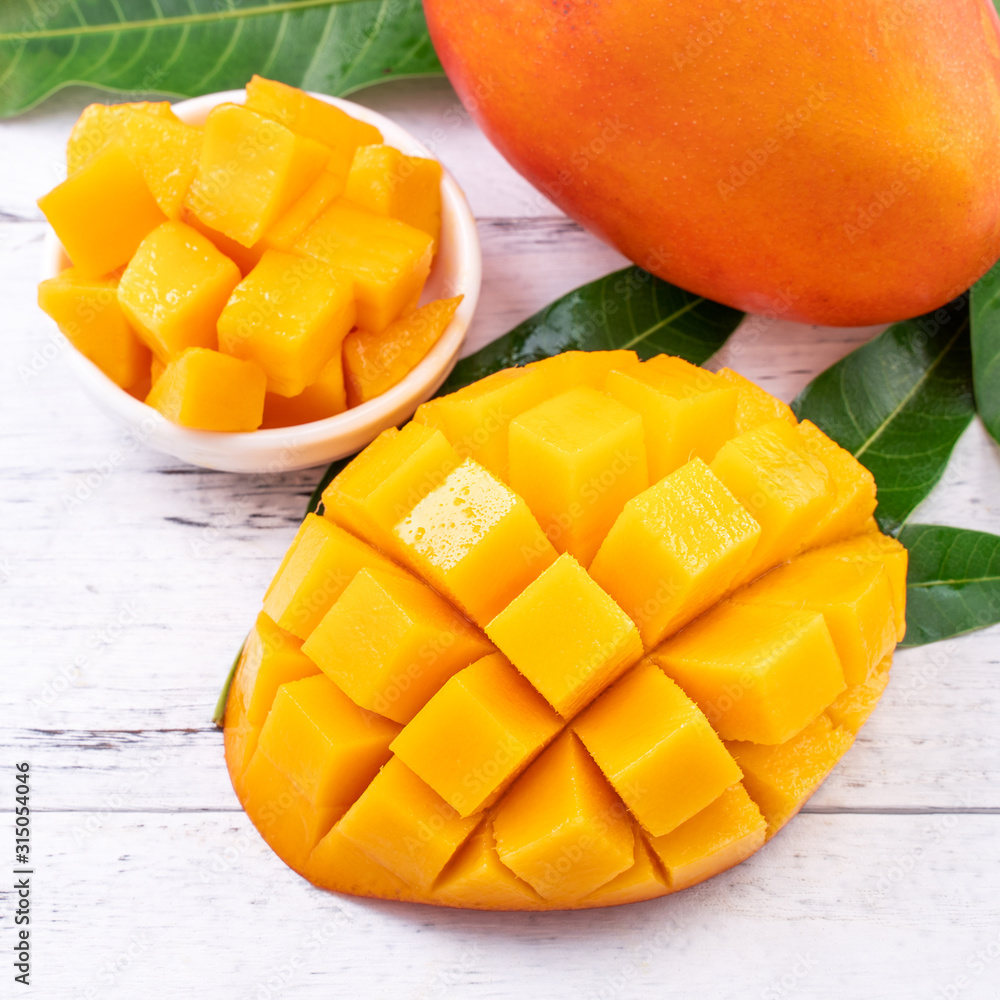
{"points": [[686, 410], [656, 748], [754, 405], [721, 835], [99, 125], [328, 186], [561, 828], [390, 642], [174, 288], [386, 481], [780, 778], [476, 878], [388, 260], [328, 747], [851, 709], [323, 560], [375, 362], [577, 459], [497, 724], [674, 550], [165, 150], [209, 391], [476, 419], [783, 486], [404, 825], [323, 398], [408, 188], [102, 212], [251, 170], [308, 116], [855, 600], [88, 313], [557, 761], [759, 673], [566, 636], [475, 541], [289, 315]]}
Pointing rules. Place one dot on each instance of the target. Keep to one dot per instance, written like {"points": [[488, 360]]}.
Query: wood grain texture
{"points": [[128, 580]]}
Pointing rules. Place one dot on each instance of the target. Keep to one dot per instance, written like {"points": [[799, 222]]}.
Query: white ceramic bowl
{"points": [[457, 270]]}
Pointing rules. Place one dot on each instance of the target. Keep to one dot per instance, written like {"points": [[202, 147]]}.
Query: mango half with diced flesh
{"points": [[583, 633], [268, 265]]}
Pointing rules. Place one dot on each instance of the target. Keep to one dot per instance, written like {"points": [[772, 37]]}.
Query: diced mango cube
{"points": [[643, 880], [338, 863], [102, 212], [475, 541], [759, 673], [290, 316], [386, 481], [561, 828], [674, 550], [785, 488], [854, 502], [325, 744], [883, 550], [99, 125], [209, 391], [722, 835], [324, 398], [754, 405], [375, 362], [408, 188], [567, 636], [321, 562], [88, 313], [309, 116], [576, 459], [852, 708], [305, 209], [477, 878], [780, 778], [656, 748], [286, 818], [572, 368], [496, 725], [245, 258], [271, 657], [251, 170], [476, 419], [390, 642], [164, 149], [685, 409], [174, 289], [854, 598], [388, 260], [404, 825]]}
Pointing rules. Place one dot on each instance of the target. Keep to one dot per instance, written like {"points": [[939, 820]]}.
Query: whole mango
{"points": [[831, 163]]}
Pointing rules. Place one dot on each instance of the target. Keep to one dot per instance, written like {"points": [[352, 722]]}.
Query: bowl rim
{"points": [[366, 420]]}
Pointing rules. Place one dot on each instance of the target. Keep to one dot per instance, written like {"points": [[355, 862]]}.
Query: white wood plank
{"points": [[151, 905]]}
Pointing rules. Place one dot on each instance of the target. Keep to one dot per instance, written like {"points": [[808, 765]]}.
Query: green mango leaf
{"points": [[626, 309], [985, 310], [189, 47], [953, 582], [899, 404]]}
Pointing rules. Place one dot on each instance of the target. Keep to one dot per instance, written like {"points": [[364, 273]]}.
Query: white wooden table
{"points": [[128, 581]]}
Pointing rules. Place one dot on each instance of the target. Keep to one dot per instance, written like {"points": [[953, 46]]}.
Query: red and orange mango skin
{"points": [[835, 166]]}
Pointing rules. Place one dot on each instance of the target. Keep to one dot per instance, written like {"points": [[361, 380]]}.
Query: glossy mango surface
{"points": [[530, 656]]}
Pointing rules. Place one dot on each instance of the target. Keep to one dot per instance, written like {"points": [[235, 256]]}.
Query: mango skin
{"points": [[836, 166]]}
